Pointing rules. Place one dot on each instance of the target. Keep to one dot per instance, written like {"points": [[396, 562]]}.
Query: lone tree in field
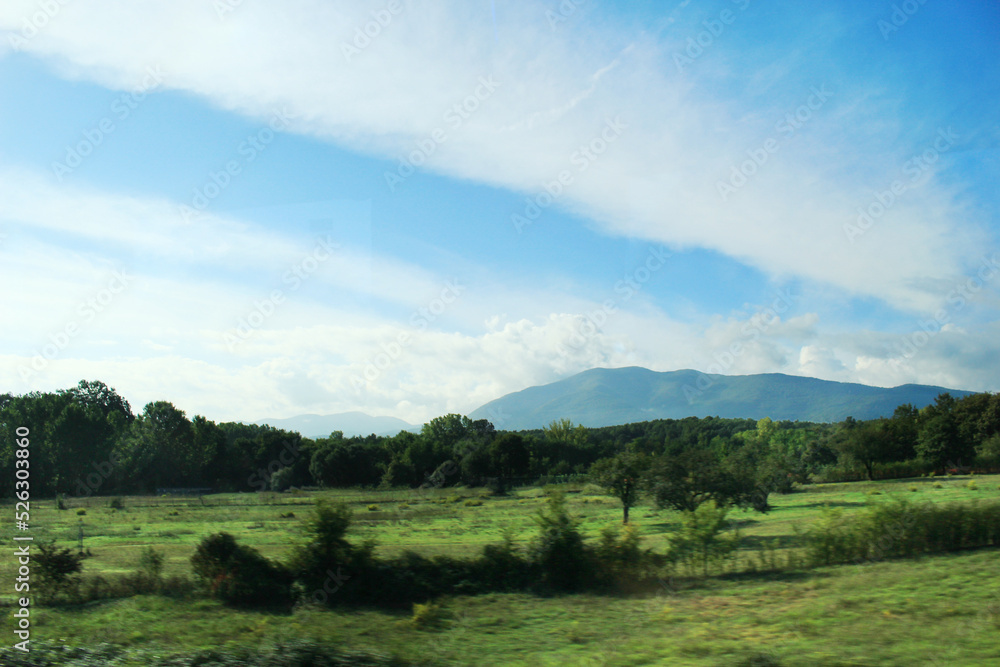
{"points": [[620, 476]]}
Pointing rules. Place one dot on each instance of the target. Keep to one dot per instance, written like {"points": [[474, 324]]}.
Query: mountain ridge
{"points": [[612, 396]]}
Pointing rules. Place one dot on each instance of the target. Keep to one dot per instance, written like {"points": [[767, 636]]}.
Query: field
{"points": [[933, 610]]}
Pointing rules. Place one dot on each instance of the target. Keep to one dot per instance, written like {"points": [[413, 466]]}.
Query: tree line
{"points": [[87, 441]]}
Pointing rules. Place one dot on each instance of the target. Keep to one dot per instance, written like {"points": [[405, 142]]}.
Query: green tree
{"points": [[868, 444], [158, 450], [238, 574], [328, 557], [621, 476], [939, 441], [685, 481], [699, 543], [559, 550], [509, 455], [55, 569]]}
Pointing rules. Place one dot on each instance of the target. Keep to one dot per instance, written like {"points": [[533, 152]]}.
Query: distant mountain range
{"points": [[611, 396], [351, 423]]}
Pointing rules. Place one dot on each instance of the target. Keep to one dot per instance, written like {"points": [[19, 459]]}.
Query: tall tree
{"points": [[621, 476], [939, 441], [869, 444], [158, 449]]}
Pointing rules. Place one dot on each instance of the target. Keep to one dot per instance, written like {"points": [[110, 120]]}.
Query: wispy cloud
{"points": [[660, 181]]}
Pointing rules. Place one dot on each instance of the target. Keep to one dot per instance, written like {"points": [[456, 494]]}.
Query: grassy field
{"points": [[935, 610]]}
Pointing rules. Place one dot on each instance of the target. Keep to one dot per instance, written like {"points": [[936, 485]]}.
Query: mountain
{"points": [[351, 423], [610, 396]]}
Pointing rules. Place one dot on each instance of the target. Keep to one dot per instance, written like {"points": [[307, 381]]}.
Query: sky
{"points": [[259, 209]]}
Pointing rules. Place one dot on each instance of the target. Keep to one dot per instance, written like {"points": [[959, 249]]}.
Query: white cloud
{"points": [[658, 180]]}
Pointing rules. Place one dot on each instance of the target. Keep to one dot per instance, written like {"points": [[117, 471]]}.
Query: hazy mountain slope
{"points": [[608, 396], [351, 423]]}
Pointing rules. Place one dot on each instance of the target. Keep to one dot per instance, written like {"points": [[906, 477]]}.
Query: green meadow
{"points": [[932, 610]]}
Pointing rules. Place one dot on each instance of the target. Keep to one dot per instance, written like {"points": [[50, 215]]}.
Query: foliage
{"points": [[238, 574], [151, 564], [622, 562], [559, 550], [699, 545], [687, 480], [430, 616], [55, 569], [868, 444], [621, 476], [900, 528], [86, 441]]}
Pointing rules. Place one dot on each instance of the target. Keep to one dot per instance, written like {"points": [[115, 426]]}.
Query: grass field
{"points": [[934, 610]]}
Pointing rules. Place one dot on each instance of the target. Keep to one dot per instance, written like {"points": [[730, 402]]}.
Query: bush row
{"points": [[330, 570], [901, 528]]}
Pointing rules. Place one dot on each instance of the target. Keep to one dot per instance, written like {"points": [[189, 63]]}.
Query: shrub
{"points": [[239, 574], [620, 558], [117, 503], [913, 488], [430, 616], [497, 486], [328, 558], [55, 569], [151, 565], [373, 508], [830, 540], [698, 544], [900, 528], [938, 485], [81, 512], [60, 501], [502, 567], [972, 486], [559, 550], [281, 480]]}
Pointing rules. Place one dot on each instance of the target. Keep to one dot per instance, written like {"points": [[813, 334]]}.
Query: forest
{"points": [[86, 441]]}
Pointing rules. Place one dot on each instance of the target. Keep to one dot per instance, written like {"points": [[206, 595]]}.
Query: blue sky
{"points": [[254, 210]]}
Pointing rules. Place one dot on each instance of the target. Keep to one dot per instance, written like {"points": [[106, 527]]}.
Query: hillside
{"points": [[610, 396]]}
